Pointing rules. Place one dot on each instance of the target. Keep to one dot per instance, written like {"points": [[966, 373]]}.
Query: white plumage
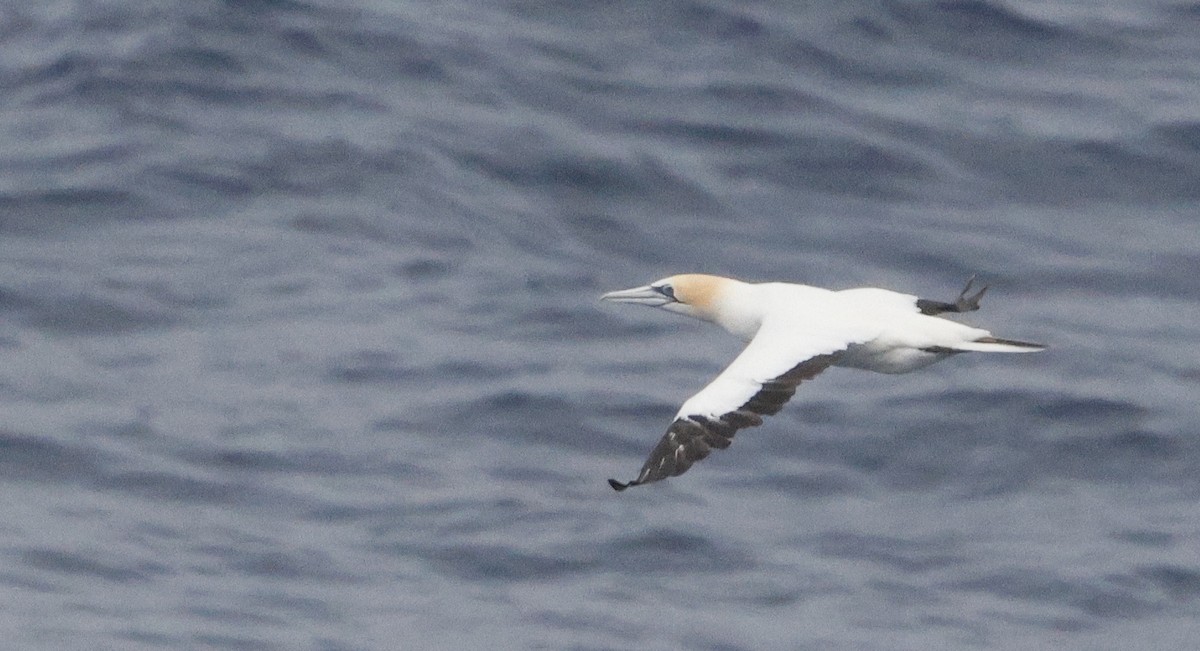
{"points": [[795, 332]]}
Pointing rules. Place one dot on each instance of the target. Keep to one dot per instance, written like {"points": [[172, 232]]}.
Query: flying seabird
{"points": [[795, 332]]}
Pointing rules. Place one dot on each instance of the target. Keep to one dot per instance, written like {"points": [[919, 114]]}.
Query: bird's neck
{"points": [[738, 309]]}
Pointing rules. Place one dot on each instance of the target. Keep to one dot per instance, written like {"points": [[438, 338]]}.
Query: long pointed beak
{"points": [[644, 295]]}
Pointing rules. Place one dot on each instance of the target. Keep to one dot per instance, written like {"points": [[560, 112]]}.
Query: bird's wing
{"points": [[785, 352], [966, 301]]}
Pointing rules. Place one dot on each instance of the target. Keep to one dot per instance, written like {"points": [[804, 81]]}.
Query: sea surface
{"points": [[301, 345]]}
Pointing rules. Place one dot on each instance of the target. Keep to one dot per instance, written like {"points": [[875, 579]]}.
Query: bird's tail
{"points": [[997, 345]]}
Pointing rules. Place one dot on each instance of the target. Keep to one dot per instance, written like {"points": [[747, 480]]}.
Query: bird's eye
{"points": [[667, 290]]}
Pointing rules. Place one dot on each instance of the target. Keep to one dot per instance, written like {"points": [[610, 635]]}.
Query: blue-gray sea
{"points": [[301, 346]]}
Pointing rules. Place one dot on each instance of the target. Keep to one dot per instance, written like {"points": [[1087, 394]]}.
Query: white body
{"points": [[871, 329], [896, 338]]}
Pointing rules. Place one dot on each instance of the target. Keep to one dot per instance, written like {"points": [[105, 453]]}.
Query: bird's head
{"points": [[695, 295]]}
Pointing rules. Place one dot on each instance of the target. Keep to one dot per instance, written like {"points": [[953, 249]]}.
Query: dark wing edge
{"points": [[966, 302], [691, 438]]}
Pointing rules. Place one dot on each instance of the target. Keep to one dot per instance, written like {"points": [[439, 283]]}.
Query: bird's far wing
{"points": [[757, 383], [966, 301]]}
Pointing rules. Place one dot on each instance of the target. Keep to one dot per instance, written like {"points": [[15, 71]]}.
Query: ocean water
{"points": [[300, 345]]}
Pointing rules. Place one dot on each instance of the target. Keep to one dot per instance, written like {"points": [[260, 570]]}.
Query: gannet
{"points": [[795, 332]]}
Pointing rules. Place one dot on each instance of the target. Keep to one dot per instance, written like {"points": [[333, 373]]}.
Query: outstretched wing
{"points": [[757, 383]]}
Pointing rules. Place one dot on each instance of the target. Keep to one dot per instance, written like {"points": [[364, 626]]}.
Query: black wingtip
{"points": [[618, 486]]}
